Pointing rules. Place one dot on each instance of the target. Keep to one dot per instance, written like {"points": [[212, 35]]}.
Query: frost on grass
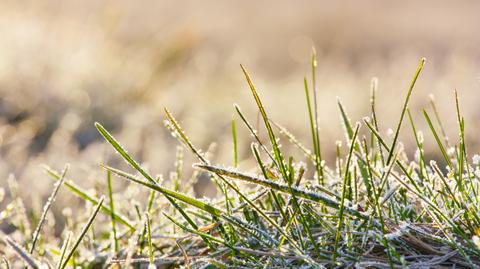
{"points": [[379, 204]]}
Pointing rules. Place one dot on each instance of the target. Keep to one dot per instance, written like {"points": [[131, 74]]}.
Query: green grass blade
{"points": [[120, 150], [437, 139], [346, 120], [439, 121], [21, 252], [318, 153], [78, 191], [181, 197], [314, 132], [422, 163], [49, 203], [234, 142], [149, 238], [312, 196], [212, 238], [271, 134], [83, 232], [463, 149], [344, 188], [350, 132], [112, 214], [5, 261], [64, 250], [296, 143], [253, 132], [405, 105]]}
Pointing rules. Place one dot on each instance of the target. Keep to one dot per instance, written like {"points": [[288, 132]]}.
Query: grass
{"points": [[377, 208]]}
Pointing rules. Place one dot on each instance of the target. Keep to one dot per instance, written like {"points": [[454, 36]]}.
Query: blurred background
{"points": [[66, 64]]}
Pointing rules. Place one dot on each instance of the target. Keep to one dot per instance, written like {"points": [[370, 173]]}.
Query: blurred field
{"points": [[66, 64]]}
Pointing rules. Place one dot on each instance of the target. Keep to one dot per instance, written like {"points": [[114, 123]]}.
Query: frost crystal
{"points": [[477, 173], [390, 132], [451, 151], [417, 156], [420, 137], [476, 241], [476, 159]]}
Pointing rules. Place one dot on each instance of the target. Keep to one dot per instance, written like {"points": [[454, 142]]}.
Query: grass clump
{"points": [[376, 209]]}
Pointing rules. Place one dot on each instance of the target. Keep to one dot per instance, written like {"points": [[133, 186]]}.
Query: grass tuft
{"points": [[374, 206]]}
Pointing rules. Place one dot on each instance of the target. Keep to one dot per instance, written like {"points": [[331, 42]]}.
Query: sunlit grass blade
{"points": [[5, 261], [350, 132], [463, 158], [212, 238], [22, 253], [316, 126], [64, 250], [181, 197], [419, 141], [49, 203], [83, 233], [314, 131], [253, 132], [149, 239], [186, 259], [183, 137], [463, 149], [437, 139], [342, 198], [110, 139], [404, 108], [271, 134], [78, 191], [373, 94], [234, 143], [112, 214], [297, 143], [439, 122], [312, 196]]}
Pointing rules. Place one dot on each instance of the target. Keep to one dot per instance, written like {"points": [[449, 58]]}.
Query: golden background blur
{"points": [[66, 64]]}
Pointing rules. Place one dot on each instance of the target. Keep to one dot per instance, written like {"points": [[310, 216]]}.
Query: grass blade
{"points": [[49, 203], [253, 132], [316, 126], [64, 250], [112, 214], [437, 139], [169, 193], [312, 196], [83, 233], [120, 150], [149, 239], [405, 105], [22, 253], [234, 142], [344, 188], [78, 191], [314, 131], [271, 134]]}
